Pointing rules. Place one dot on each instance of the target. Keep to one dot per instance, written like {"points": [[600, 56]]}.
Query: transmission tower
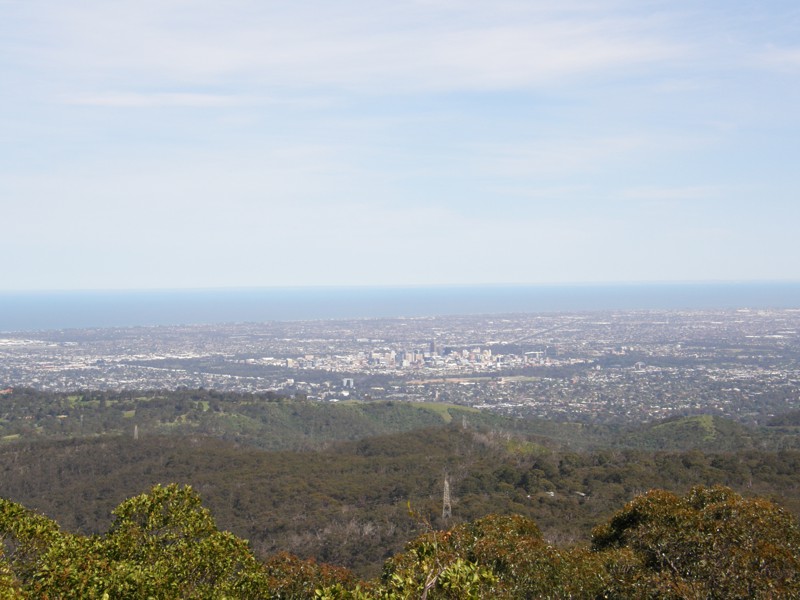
{"points": [[447, 511]]}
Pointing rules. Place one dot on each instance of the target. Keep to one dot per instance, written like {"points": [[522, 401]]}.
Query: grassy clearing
{"points": [[443, 410], [519, 447], [700, 427]]}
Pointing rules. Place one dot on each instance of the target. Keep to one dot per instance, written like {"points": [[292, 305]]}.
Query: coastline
{"points": [[37, 311]]}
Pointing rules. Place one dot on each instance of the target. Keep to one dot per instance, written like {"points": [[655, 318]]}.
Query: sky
{"points": [[168, 144]]}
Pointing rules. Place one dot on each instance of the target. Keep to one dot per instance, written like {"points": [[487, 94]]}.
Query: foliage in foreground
{"points": [[710, 543], [162, 545]]}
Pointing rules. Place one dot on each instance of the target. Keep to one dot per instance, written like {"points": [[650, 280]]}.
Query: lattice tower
{"points": [[447, 510]]}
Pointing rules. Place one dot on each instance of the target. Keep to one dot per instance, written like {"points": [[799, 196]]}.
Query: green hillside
{"points": [[265, 421], [703, 432]]}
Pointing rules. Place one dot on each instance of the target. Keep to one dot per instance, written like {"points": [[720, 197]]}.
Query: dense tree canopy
{"points": [[709, 543], [163, 544], [346, 505]]}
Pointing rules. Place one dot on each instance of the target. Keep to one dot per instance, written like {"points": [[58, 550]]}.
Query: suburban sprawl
{"points": [[593, 367]]}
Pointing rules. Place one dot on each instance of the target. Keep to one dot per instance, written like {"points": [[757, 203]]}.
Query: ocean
{"points": [[36, 311]]}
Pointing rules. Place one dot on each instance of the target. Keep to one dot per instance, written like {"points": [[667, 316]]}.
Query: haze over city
{"points": [[178, 144]]}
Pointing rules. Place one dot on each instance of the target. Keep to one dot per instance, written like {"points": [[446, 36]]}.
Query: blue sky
{"points": [[196, 143]]}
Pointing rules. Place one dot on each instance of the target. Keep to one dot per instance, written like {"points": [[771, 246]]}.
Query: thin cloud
{"points": [[413, 47], [779, 58], [436, 140], [158, 100], [557, 156], [674, 194]]}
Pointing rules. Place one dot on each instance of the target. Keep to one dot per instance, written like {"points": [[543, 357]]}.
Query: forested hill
{"points": [[348, 504], [267, 420], [334, 481], [274, 422], [708, 543]]}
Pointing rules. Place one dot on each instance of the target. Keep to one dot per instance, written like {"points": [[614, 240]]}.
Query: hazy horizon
{"points": [[40, 310], [402, 286]]}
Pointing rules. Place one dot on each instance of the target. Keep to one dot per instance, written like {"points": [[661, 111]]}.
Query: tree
{"points": [[493, 557], [710, 543], [166, 541], [25, 538], [162, 545], [9, 586]]}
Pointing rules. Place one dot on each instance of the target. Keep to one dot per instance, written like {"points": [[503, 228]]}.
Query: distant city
{"points": [[605, 366]]}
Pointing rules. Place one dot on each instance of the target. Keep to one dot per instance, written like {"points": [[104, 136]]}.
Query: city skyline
{"points": [[192, 145]]}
